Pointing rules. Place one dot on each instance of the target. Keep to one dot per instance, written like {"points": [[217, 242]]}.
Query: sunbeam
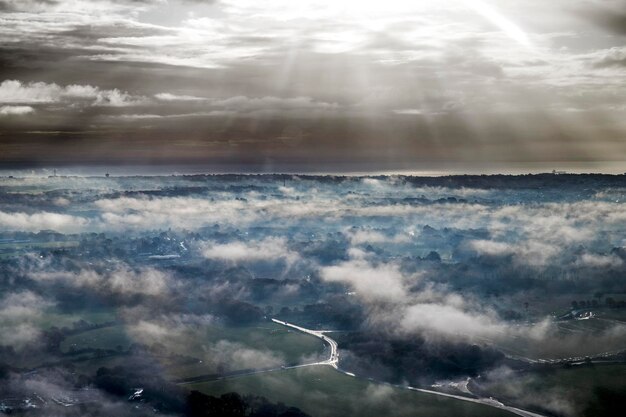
{"points": [[507, 26]]}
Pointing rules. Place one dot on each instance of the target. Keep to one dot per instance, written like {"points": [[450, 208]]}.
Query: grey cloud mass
{"points": [[359, 85]]}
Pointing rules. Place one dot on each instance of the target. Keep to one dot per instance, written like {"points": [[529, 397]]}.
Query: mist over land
{"points": [[492, 281]]}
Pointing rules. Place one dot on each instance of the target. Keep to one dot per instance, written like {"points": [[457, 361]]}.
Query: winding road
{"points": [[333, 360]]}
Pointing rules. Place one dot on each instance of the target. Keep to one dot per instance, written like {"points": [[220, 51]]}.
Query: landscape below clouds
{"points": [[425, 281]]}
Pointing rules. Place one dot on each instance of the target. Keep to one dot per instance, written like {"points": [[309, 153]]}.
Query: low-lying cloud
{"points": [[19, 316], [269, 249]]}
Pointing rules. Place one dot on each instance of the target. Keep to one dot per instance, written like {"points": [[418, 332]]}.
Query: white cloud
{"points": [[122, 280], [13, 91], [268, 249], [176, 212], [599, 261], [403, 304], [238, 356], [175, 97], [361, 236], [16, 110], [373, 283], [19, 313], [450, 321], [42, 221], [16, 92], [179, 332], [531, 252], [82, 91]]}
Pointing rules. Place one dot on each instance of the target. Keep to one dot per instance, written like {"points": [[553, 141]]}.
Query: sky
{"points": [[314, 85]]}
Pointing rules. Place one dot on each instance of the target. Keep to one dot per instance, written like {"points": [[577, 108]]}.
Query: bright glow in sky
{"points": [[505, 24]]}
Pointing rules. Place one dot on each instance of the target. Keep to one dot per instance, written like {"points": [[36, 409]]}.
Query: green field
{"points": [[566, 391], [323, 392], [289, 346], [103, 338], [56, 318]]}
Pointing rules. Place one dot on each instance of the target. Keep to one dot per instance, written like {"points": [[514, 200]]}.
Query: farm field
{"points": [[324, 392], [289, 347], [563, 390]]}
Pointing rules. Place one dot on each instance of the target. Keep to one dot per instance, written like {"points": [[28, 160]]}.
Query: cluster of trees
{"points": [[609, 302], [132, 391], [338, 312], [167, 397], [561, 182], [606, 402], [612, 303], [415, 360], [234, 405]]}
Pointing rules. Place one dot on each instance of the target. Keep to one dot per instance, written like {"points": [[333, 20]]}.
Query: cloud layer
{"points": [[314, 85]]}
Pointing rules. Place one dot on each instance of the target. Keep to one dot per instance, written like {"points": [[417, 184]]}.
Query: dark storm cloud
{"points": [[609, 16]]}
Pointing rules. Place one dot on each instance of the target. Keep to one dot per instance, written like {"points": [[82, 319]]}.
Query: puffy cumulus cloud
{"points": [[176, 97], [16, 110], [122, 280], [373, 283], [539, 233], [567, 222], [528, 391], [13, 91], [179, 333], [407, 305], [19, 313], [529, 252], [192, 321], [366, 236], [148, 281], [450, 321], [175, 331], [373, 182], [573, 340], [235, 355], [150, 332], [268, 249], [189, 212], [42, 221], [287, 190], [175, 212], [533, 233], [16, 92], [599, 261], [394, 186], [490, 247]]}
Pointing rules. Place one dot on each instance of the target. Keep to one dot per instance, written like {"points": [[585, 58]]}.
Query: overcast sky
{"points": [[342, 85]]}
